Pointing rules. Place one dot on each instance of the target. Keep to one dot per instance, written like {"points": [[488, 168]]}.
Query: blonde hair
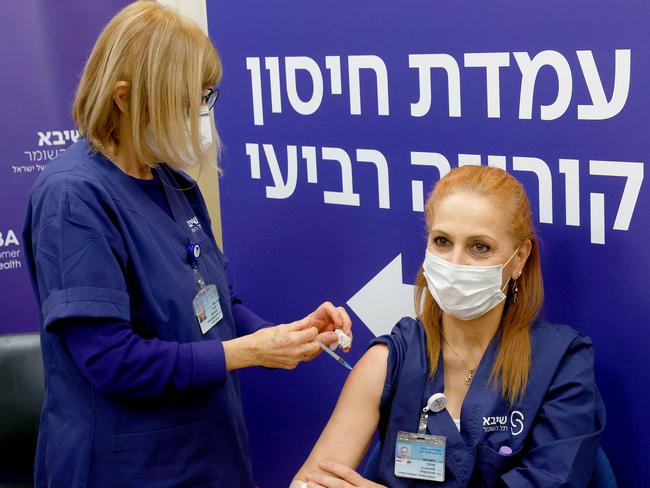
{"points": [[513, 358], [168, 61]]}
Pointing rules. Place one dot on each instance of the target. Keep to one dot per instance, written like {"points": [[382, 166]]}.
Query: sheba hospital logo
{"points": [[194, 224], [9, 255], [502, 423]]}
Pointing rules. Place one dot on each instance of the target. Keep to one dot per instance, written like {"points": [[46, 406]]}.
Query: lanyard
{"points": [[193, 254], [185, 217]]}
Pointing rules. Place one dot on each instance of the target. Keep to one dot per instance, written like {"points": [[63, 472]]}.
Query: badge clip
{"points": [[193, 254]]}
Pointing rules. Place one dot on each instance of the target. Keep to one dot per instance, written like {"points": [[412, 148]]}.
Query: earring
{"points": [[515, 289]]}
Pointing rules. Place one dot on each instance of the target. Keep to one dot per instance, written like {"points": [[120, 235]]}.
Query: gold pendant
{"points": [[469, 377]]}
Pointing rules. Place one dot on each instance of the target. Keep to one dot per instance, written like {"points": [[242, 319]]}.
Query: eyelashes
{"points": [[477, 247]]}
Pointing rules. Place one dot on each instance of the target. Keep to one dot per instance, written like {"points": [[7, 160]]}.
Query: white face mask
{"points": [[205, 129], [205, 139], [465, 292]]}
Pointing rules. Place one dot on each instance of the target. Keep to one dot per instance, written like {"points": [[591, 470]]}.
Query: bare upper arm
{"points": [[348, 433]]}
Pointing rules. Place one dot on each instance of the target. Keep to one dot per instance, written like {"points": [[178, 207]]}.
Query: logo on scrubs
{"points": [[495, 424], [194, 224], [500, 423], [516, 422]]}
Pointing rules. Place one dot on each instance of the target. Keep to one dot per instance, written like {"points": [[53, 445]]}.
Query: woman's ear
{"points": [[121, 96], [521, 257]]}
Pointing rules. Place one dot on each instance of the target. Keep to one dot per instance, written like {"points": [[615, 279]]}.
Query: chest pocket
{"points": [[491, 466]]}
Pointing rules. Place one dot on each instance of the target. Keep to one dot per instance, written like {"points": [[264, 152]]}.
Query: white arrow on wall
{"points": [[384, 299]]}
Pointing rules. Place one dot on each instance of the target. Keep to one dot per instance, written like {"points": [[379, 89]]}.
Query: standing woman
{"points": [[142, 331]]}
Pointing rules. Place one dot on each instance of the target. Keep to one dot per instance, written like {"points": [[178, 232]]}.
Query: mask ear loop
{"points": [[196, 182], [508, 280], [169, 171], [513, 255]]}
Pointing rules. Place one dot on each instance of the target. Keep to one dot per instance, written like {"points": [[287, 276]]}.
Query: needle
{"points": [[333, 354]]}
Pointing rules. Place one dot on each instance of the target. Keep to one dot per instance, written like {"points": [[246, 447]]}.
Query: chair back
{"points": [[603, 476], [21, 397]]}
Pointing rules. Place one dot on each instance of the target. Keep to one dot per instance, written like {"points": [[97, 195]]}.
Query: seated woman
{"points": [[522, 407]]}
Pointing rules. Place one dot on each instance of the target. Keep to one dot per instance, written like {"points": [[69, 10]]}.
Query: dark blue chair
{"points": [[603, 476]]}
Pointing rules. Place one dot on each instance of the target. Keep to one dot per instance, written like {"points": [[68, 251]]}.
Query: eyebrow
{"points": [[476, 237]]}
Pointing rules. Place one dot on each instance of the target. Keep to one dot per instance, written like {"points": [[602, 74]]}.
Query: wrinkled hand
{"points": [[327, 318], [338, 476], [285, 345]]}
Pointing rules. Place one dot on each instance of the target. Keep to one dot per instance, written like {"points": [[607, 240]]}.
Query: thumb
{"points": [[328, 338]]}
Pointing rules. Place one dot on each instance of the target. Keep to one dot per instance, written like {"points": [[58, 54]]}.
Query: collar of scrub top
{"points": [[139, 199], [460, 447], [181, 208]]}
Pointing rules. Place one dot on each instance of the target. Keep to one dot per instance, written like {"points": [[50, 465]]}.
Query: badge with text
{"points": [[207, 307], [420, 456]]}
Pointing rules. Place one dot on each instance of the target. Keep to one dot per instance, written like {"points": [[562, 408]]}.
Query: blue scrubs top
{"points": [[135, 394], [553, 430]]}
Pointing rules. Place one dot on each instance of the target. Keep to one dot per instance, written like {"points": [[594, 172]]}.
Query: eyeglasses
{"points": [[210, 99]]}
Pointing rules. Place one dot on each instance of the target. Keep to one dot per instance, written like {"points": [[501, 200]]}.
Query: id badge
{"points": [[420, 456], [207, 308]]}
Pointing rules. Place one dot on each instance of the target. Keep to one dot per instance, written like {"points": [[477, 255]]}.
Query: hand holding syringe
{"points": [[344, 341]]}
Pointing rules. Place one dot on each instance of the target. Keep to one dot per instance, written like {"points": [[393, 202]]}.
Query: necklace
{"points": [[103, 150], [470, 371]]}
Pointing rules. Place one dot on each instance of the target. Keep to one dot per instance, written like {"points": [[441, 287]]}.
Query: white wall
{"points": [[194, 9], [208, 178]]}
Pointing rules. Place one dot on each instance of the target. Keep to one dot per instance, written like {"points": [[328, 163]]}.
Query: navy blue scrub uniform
{"points": [[553, 430], [136, 395]]}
